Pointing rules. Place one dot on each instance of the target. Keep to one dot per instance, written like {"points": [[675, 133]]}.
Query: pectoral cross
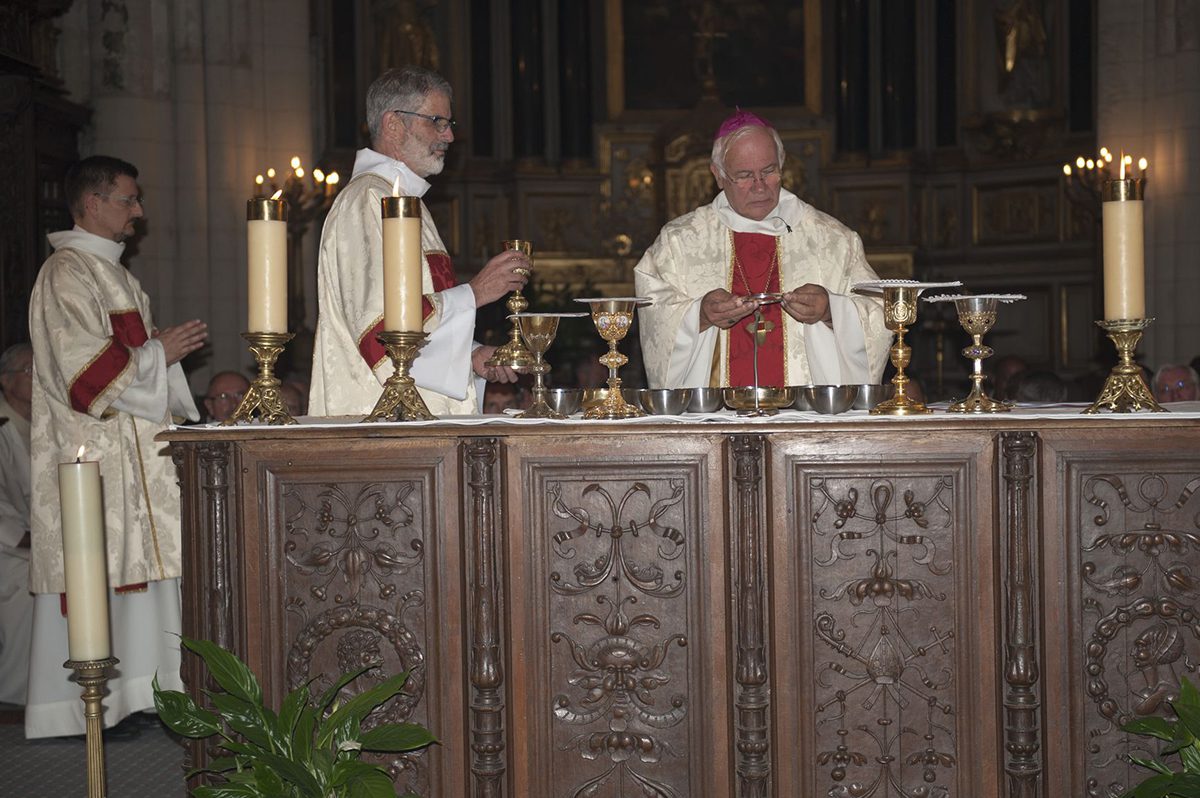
{"points": [[759, 328]]}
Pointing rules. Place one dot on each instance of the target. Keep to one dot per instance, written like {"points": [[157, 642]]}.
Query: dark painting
{"points": [[747, 52]]}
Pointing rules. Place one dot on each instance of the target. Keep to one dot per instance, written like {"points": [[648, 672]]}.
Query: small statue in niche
{"points": [[1021, 70], [403, 34]]}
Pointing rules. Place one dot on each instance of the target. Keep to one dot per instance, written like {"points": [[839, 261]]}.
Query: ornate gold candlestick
{"points": [[92, 675], [513, 353], [1125, 390], [613, 318], [538, 330], [400, 400], [264, 397]]}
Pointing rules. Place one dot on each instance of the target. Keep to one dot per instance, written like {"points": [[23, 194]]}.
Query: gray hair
{"points": [[8, 360], [1191, 372], [723, 145], [402, 89]]}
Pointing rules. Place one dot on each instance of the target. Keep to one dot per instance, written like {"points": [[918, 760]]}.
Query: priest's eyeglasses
{"points": [[440, 123], [746, 177], [127, 201]]}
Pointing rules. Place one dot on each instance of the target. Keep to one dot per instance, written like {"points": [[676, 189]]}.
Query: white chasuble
{"points": [[349, 364], [694, 255], [101, 381]]}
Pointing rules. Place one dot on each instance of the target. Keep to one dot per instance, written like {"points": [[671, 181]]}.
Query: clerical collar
{"points": [[376, 163], [783, 218], [78, 238]]}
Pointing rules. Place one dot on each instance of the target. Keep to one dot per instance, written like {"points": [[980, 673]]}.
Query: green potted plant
{"points": [[309, 749], [1182, 736]]}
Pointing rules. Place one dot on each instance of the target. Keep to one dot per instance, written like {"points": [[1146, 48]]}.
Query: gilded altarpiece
{"points": [[1131, 558], [883, 558], [620, 684]]}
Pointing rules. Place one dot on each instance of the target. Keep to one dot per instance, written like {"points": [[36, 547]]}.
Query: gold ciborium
{"points": [[538, 331], [263, 397], [1125, 390], [613, 318], [400, 400], [513, 353], [977, 315]]}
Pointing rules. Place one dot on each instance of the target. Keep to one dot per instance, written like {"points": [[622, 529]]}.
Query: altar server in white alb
{"points": [[757, 238], [408, 116], [105, 378]]}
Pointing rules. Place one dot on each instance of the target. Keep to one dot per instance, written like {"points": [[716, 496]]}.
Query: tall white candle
{"points": [[266, 251], [1124, 250], [85, 560], [402, 264]]}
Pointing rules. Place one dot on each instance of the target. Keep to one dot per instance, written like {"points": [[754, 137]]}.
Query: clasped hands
{"points": [[807, 304]]}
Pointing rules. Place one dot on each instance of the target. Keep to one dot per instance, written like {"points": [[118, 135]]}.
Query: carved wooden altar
{"points": [[924, 607]]}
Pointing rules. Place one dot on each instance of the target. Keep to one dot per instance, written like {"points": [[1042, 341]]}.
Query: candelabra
{"points": [[308, 196], [92, 675]]}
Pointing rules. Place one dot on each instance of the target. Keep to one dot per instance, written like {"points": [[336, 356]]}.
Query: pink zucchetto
{"points": [[740, 119]]}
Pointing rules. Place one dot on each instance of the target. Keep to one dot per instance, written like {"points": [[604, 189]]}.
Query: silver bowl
{"points": [[801, 400], [743, 399], [706, 400], [666, 401], [564, 400], [635, 397], [831, 399], [871, 395]]}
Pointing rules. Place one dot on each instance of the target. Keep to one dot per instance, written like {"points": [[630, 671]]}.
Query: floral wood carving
{"points": [[885, 714], [1139, 541], [619, 552]]}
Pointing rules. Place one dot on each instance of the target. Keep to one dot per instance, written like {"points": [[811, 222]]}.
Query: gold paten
{"points": [[1125, 390], [263, 397], [400, 400]]}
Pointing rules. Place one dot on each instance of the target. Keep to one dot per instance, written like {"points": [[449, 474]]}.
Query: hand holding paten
{"points": [[721, 309], [501, 275], [181, 340], [808, 304], [490, 373]]}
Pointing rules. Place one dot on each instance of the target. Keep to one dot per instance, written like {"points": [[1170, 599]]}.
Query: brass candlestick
{"points": [[1125, 390], [513, 353], [400, 400], [538, 330], [900, 313], [264, 397], [92, 675], [613, 318]]}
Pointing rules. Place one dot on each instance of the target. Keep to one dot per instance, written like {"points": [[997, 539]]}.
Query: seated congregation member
{"points": [[1176, 383], [225, 392], [106, 377], [757, 238], [409, 118]]}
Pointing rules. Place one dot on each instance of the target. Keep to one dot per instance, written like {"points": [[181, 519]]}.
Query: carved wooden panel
{"points": [[358, 565], [882, 572], [618, 663], [1016, 213], [1128, 545]]}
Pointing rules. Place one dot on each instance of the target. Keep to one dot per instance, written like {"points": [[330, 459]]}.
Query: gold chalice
{"points": [[513, 353], [538, 331], [977, 315], [613, 318]]}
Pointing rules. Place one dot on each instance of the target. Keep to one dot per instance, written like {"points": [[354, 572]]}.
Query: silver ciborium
{"points": [[977, 315]]}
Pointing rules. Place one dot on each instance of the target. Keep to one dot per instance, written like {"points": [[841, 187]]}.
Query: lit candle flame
{"points": [[295, 161], [1108, 157], [1105, 153], [396, 187], [278, 193], [258, 179], [1091, 164], [1124, 160], [299, 172], [332, 179], [1143, 164], [1079, 162], [318, 175], [1067, 169], [79, 454], [271, 173]]}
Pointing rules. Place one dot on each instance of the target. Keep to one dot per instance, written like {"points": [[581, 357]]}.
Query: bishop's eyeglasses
{"points": [[440, 123]]}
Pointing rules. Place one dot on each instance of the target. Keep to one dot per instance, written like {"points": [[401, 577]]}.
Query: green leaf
{"points": [[395, 737], [360, 706], [1190, 756], [244, 718], [1151, 764], [1152, 726], [1189, 720], [294, 704], [327, 697], [302, 734], [229, 791], [229, 672], [268, 780], [362, 780], [181, 715], [1153, 787]]}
